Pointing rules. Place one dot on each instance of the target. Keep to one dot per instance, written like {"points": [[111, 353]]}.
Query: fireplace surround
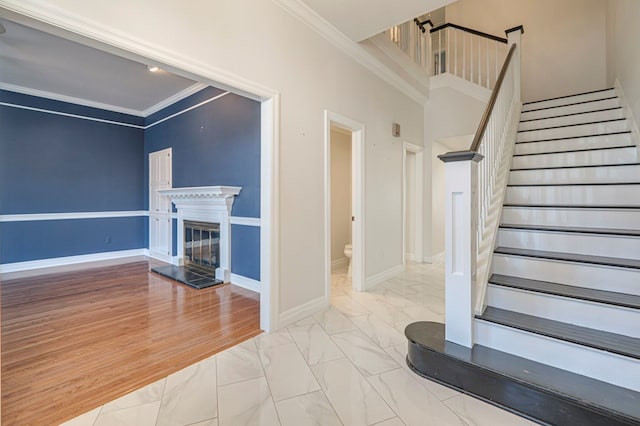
{"points": [[209, 207]]}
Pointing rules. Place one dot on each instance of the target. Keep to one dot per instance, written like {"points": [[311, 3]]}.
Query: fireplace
{"points": [[204, 235], [202, 245]]}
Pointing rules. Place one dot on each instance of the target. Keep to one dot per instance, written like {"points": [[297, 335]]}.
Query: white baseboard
{"points": [[376, 279], [339, 263], [302, 311], [436, 259], [70, 260], [160, 256], [245, 282]]}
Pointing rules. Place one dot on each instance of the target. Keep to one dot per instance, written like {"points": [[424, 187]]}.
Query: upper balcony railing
{"points": [[472, 55]]}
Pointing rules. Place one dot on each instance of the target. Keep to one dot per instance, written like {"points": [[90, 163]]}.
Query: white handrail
{"points": [[475, 187]]}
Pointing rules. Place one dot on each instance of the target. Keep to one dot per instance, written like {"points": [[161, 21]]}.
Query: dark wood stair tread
{"points": [[597, 339], [571, 104], [604, 148], [586, 166], [568, 96], [539, 391], [571, 114], [573, 206], [574, 229], [560, 126], [570, 291], [570, 257]]}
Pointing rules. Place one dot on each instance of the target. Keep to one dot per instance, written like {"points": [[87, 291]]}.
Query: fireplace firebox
{"points": [[202, 244]]}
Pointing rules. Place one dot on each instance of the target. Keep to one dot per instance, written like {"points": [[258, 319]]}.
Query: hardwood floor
{"points": [[73, 341]]}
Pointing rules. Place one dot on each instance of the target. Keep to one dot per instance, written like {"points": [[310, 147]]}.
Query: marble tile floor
{"points": [[343, 366]]}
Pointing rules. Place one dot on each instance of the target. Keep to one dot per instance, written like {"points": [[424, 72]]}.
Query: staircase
{"points": [[561, 328]]}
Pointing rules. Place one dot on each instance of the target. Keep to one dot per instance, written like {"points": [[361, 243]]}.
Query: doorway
{"points": [[344, 201], [160, 241], [412, 228], [90, 36]]}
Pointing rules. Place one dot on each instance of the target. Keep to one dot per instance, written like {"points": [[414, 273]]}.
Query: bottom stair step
{"points": [[597, 339], [533, 390]]}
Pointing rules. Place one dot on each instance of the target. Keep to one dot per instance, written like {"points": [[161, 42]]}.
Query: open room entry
{"points": [[84, 33], [341, 134]]}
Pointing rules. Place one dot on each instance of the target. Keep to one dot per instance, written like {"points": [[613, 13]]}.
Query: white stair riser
{"points": [[620, 371], [587, 117], [570, 99], [563, 145], [584, 158], [623, 247], [628, 195], [599, 316], [570, 109], [602, 174], [594, 218], [599, 277], [572, 131]]}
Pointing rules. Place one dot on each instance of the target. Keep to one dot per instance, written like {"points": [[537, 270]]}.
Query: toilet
{"points": [[347, 253]]}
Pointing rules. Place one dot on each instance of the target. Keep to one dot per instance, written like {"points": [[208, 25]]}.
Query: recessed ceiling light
{"points": [[153, 68]]}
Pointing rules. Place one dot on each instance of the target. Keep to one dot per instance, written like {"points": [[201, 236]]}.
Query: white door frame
{"points": [[166, 257], [357, 199], [74, 28], [418, 151]]}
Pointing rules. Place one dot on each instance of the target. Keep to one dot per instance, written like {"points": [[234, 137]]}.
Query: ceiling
{"points": [[361, 19], [33, 62]]}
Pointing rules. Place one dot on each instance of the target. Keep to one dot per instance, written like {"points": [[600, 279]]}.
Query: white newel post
{"points": [[460, 269], [514, 36]]}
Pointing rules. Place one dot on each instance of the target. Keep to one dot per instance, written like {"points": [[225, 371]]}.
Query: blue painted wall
{"points": [[58, 164], [53, 163], [217, 143]]}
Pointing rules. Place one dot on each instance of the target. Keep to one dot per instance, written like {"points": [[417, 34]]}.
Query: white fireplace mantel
{"points": [[206, 204]]}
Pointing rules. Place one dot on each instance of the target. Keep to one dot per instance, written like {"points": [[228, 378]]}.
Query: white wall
{"points": [[410, 205], [262, 43], [340, 192], [623, 52], [563, 47], [447, 113]]}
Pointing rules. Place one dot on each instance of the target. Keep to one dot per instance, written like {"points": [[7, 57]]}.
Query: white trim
{"points": [[194, 88], [118, 123], [334, 36], [339, 263], [69, 260], [82, 117], [245, 221], [436, 259], [418, 198], [71, 215], [302, 311], [163, 257], [91, 33], [454, 82], [186, 110], [357, 198], [376, 279], [628, 113], [69, 99], [245, 282]]}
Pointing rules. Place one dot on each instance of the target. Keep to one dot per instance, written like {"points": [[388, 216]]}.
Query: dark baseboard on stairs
{"points": [[530, 389], [571, 114]]}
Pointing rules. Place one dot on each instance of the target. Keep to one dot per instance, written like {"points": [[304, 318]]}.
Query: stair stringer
{"points": [[484, 259]]}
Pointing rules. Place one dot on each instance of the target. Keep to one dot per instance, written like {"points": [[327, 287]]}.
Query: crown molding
{"points": [[334, 36], [69, 99], [194, 88]]}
